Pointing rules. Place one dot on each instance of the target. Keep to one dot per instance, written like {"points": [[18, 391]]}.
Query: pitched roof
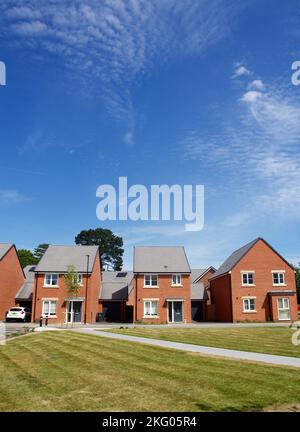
{"points": [[26, 290], [115, 285], [196, 273], [198, 291], [59, 258], [234, 258], [4, 248], [237, 255], [160, 259]]}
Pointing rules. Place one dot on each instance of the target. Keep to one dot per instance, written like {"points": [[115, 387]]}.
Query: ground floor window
{"points": [[249, 304], [49, 308], [283, 309], [150, 308]]}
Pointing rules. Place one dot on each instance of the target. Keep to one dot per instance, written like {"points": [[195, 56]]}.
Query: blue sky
{"points": [[174, 92]]}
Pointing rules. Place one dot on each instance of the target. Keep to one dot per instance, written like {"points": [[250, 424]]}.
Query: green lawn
{"points": [[268, 340], [68, 371]]}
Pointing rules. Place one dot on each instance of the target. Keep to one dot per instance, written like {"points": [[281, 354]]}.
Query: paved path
{"points": [[221, 352]]}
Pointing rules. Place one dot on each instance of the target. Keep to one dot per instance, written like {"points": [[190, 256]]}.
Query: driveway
{"points": [[14, 327]]}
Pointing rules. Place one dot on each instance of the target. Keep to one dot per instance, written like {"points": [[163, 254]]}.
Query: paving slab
{"points": [[210, 351]]}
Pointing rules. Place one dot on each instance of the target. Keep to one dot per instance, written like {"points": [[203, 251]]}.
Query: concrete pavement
{"points": [[210, 351]]}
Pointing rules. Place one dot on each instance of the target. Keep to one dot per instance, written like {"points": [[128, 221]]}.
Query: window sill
{"points": [[49, 317], [176, 286], [50, 286], [149, 316], [247, 312], [279, 285], [248, 285], [150, 286]]}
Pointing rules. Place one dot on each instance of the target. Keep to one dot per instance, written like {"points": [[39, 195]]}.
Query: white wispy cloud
{"points": [[115, 42], [256, 84], [251, 96], [240, 70], [11, 196], [29, 28], [256, 144]]}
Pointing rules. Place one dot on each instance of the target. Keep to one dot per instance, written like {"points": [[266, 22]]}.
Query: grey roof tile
{"points": [[115, 285], [26, 290], [4, 248], [234, 258], [160, 259], [59, 258], [196, 273], [198, 291]]}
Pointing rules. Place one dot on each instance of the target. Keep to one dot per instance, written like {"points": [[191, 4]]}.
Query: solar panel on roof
{"points": [[122, 274]]}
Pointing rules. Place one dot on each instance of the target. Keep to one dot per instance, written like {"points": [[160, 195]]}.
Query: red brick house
{"points": [[11, 277], [254, 284], [50, 293], [161, 291], [200, 293]]}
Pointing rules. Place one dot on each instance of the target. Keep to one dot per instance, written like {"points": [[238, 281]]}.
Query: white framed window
{"points": [[176, 280], [249, 304], [49, 308], [278, 278], [248, 278], [79, 279], [150, 308], [150, 280], [51, 280], [283, 309]]}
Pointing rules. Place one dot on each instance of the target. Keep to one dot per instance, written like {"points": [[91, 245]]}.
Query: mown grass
{"points": [[68, 371], [268, 340]]}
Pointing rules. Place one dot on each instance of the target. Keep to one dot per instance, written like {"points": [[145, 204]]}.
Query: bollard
{"points": [[46, 321], [41, 321]]}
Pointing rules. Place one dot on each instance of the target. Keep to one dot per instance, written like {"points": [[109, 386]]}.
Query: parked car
{"points": [[18, 314]]}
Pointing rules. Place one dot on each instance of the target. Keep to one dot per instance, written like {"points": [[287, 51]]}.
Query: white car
{"points": [[18, 314]]}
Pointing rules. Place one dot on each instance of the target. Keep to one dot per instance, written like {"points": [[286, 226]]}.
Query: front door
{"points": [[74, 311], [175, 311]]}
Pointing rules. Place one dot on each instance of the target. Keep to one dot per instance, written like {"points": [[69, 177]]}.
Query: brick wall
{"points": [[11, 280]]}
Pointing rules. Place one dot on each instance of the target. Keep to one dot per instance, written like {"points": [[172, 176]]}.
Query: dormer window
{"points": [[176, 280], [150, 280]]}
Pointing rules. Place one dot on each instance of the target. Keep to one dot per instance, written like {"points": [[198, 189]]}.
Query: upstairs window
{"points": [[248, 278], [150, 280], [176, 279], [51, 280], [79, 278], [278, 278]]}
